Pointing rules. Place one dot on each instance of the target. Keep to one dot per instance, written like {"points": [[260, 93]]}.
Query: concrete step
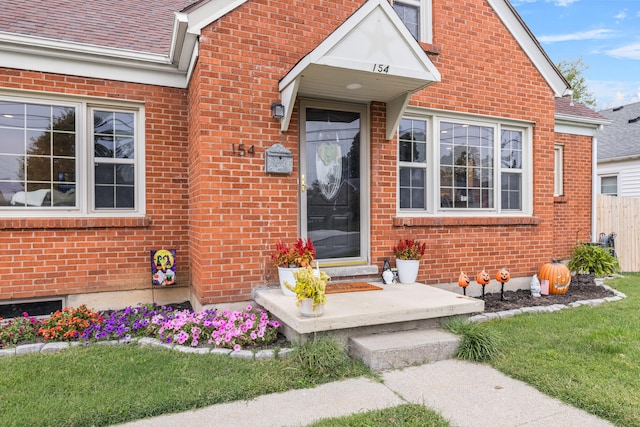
{"points": [[401, 349]]}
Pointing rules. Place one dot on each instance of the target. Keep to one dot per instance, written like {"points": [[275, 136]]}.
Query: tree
{"points": [[572, 71]]}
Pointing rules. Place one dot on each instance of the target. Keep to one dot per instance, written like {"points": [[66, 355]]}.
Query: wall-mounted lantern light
{"points": [[277, 110]]}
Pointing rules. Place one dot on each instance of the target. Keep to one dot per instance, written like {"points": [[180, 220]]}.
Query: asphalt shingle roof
{"points": [[622, 137], [569, 107], [138, 25]]}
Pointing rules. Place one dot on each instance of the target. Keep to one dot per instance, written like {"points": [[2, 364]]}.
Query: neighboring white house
{"points": [[619, 152]]}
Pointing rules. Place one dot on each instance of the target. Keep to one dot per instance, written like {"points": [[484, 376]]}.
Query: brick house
{"points": [[132, 126]]}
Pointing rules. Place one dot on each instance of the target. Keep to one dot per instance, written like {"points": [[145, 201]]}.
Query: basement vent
{"points": [[634, 120], [33, 308], [618, 108]]}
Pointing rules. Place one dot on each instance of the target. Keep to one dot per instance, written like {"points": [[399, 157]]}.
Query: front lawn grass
{"points": [[588, 357], [103, 385], [409, 415]]}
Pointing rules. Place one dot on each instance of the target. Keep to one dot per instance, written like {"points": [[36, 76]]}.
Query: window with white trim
{"points": [[558, 171], [416, 16], [70, 157], [452, 166], [609, 185]]}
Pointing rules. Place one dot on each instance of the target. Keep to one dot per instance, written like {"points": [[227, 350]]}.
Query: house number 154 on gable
{"points": [[381, 68]]}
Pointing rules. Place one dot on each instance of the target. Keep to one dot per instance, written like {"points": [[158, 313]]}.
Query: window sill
{"points": [[429, 48], [560, 199], [72, 223], [450, 221]]}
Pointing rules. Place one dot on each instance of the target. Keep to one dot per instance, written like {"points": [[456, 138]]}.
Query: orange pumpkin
{"points": [[483, 278], [558, 275], [463, 280], [503, 275]]}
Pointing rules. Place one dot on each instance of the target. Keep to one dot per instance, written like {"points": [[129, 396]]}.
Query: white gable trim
{"points": [[529, 44], [353, 50]]}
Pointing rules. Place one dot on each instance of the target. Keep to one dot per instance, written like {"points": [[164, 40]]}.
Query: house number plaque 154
{"points": [[242, 150]]}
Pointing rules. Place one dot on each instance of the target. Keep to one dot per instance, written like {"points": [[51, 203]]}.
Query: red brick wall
{"points": [[45, 257], [484, 71], [224, 214], [238, 211], [573, 210]]}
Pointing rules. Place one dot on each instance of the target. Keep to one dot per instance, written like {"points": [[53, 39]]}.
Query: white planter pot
{"points": [[286, 274], [306, 308], [407, 270]]}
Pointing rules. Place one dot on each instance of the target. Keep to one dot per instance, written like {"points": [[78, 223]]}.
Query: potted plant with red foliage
{"points": [[408, 253], [290, 258]]}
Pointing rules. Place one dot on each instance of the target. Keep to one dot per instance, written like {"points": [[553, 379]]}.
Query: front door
{"points": [[333, 181]]}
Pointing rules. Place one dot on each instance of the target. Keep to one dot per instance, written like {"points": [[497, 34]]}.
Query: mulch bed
{"points": [[522, 298]]}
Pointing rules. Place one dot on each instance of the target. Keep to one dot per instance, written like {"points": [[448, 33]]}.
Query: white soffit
{"points": [[372, 51]]}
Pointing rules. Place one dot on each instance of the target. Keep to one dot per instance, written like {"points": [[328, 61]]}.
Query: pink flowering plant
{"points": [[18, 330], [228, 329]]}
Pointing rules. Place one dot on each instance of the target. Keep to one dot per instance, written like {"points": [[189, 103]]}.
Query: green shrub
{"points": [[477, 343], [588, 258]]}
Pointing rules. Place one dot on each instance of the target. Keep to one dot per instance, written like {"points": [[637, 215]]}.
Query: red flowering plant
{"points": [[300, 254], [18, 330], [409, 249], [68, 324]]}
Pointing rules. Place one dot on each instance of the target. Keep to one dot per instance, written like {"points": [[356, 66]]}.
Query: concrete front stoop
{"points": [[396, 350], [395, 327]]}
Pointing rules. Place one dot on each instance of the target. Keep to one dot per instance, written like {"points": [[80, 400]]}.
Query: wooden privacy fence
{"points": [[621, 215]]}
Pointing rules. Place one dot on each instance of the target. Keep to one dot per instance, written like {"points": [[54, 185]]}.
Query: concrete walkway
{"points": [[467, 394]]}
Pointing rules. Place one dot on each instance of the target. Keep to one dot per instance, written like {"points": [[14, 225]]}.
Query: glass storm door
{"points": [[330, 176]]}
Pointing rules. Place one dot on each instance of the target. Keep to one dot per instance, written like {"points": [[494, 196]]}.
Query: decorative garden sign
{"points": [[163, 267]]}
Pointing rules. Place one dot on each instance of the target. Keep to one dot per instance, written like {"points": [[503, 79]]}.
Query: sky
{"points": [[605, 33]]}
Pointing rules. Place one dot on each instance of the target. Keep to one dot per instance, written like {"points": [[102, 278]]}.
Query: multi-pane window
{"points": [[37, 155], [511, 162], [609, 185], [409, 13], [461, 166], [416, 16], [114, 157], [412, 141], [466, 166], [46, 161]]}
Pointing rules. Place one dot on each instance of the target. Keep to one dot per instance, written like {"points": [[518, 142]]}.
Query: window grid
{"points": [[466, 166], [38, 155], [114, 154], [409, 13], [478, 167], [70, 158], [412, 148]]}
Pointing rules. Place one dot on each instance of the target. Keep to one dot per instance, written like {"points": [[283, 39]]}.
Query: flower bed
{"points": [[235, 330]]}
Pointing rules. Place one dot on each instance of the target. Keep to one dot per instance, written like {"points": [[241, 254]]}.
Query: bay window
{"points": [[69, 157], [456, 166]]}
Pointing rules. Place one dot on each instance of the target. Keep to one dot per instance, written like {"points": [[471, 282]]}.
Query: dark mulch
{"points": [[523, 298]]}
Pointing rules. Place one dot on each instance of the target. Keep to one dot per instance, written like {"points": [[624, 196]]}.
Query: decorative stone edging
{"points": [[550, 308], [55, 347]]}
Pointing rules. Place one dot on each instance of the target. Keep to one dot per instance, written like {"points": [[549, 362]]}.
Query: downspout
{"points": [[594, 183]]}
